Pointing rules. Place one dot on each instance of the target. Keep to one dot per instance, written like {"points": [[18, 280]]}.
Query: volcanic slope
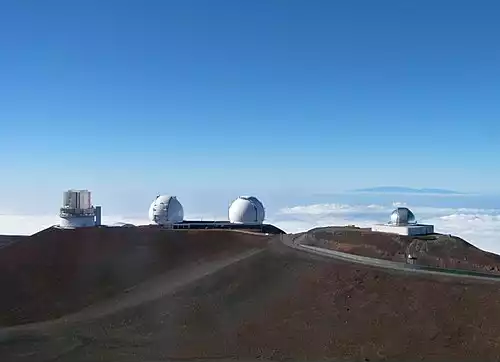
{"points": [[8, 239], [284, 304], [56, 272], [435, 250]]}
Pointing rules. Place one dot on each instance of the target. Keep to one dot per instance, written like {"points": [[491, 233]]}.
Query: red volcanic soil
{"points": [[436, 250], [286, 305], [56, 272], [279, 304]]}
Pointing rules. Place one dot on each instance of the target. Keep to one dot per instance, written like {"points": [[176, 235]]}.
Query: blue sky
{"points": [[247, 97]]}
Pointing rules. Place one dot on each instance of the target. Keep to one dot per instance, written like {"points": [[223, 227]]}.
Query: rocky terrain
{"points": [[436, 250], [226, 295]]}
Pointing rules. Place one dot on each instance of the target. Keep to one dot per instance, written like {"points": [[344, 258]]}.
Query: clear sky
{"points": [[249, 95]]}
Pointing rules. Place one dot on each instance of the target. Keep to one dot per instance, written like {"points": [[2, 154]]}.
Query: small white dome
{"points": [[166, 210], [402, 216], [246, 210]]}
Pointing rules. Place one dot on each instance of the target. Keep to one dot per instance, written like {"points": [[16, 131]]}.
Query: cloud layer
{"points": [[30, 224], [480, 227]]}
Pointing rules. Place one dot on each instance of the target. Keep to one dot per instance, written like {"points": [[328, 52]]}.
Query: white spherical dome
{"points": [[166, 210], [246, 210], [402, 216]]}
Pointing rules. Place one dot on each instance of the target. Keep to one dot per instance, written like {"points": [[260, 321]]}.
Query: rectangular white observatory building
{"points": [[409, 230]]}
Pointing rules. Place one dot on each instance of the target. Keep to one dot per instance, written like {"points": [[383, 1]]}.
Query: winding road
{"points": [[297, 242]]}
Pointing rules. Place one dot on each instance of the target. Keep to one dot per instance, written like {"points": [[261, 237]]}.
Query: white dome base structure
{"points": [[71, 222], [408, 230], [246, 210], [166, 210]]}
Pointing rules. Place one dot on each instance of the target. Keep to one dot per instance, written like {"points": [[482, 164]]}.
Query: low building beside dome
{"points": [[403, 222]]}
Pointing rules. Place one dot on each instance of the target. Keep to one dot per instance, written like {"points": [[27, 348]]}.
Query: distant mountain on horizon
{"points": [[408, 190]]}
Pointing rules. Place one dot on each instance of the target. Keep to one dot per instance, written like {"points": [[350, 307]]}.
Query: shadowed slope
{"points": [[56, 272], [8, 239]]}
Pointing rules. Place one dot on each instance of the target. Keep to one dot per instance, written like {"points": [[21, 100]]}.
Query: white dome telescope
{"points": [[166, 210], [402, 216], [246, 210]]}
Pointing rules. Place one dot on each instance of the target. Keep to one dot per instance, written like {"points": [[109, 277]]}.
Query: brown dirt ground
{"points": [[7, 239], [283, 304], [435, 250], [57, 272]]}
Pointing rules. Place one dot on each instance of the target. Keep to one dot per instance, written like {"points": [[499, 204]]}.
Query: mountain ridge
{"points": [[408, 190]]}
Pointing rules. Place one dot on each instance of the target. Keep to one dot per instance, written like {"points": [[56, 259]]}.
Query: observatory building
{"points": [[246, 210], [77, 210], [245, 213], [403, 223], [166, 210]]}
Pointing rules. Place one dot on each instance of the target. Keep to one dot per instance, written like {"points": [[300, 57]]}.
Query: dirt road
{"points": [[296, 242]]}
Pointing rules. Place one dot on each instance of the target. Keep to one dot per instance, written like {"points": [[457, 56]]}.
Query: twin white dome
{"points": [[246, 210], [166, 210]]}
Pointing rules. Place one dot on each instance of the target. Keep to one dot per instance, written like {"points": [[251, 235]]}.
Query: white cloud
{"points": [[12, 224], [25, 224], [30, 224], [480, 227]]}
